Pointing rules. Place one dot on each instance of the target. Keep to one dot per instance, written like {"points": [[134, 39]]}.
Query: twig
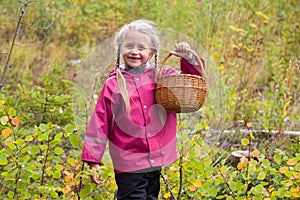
{"points": [[180, 177], [12, 44], [80, 182], [19, 31], [31, 24], [168, 187]]}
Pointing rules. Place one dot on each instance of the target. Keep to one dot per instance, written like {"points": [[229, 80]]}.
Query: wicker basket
{"points": [[181, 93]]}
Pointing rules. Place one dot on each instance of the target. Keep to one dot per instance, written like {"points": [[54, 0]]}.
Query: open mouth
{"points": [[133, 58]]}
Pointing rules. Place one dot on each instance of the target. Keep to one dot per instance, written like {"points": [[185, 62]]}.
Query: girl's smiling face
{"points": [[136, 49]]}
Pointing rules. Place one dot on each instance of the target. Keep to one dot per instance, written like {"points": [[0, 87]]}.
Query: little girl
{"points": [[126, 115]]}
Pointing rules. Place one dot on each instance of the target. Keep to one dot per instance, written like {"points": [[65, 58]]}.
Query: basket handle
{"points": [[191, 51]]}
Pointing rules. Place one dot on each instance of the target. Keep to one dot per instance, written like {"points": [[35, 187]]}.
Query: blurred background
{"points": [[54, 56]]}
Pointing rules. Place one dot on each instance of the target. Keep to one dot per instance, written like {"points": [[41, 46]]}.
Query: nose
{"points": [[134, 51]]}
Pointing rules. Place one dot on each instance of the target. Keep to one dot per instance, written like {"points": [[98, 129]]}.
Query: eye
{"points": [[129, 46], [141, 47]]}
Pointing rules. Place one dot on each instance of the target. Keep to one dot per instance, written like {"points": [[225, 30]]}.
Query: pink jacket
{"points": [[138, 140]]}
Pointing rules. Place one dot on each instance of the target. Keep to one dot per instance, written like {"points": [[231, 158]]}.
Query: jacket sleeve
{"points": [[188, 68], [96, 135]]}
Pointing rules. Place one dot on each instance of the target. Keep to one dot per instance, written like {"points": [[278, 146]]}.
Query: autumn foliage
{"points": [[252, 54]]}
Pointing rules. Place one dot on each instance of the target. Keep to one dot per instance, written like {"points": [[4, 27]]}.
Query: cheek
{"points": [[147, 55], [123, 52]]}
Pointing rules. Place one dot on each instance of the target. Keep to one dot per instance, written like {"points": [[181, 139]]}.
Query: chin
{"points": [[134, 65]]}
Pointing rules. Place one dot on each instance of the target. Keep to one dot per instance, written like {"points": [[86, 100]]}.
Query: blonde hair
{"points": [[142, 26]]}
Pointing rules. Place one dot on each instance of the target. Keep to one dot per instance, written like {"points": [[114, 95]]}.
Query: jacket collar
{"points": [[128, 70]]}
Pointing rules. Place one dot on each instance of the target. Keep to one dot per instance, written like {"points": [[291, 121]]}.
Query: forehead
{"points": [[137, 37]]}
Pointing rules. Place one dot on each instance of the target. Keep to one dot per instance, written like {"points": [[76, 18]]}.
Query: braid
{"points": [[155, 60], [118, 58], [123, 89], [122, 83]]}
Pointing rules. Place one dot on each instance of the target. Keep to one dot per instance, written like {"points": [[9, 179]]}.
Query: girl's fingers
{"points": [[182, 47], [175, 53], [97, 174], [183, 53], [97, 178]]}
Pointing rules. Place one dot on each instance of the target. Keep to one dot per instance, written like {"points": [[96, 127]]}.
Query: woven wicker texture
{"points": [[181, 93]]}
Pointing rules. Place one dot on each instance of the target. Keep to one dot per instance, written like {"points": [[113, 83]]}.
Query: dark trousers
{"points": [[139, 186]]}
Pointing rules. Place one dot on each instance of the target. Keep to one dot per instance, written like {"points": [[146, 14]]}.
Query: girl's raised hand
{"points": [[183, 50], [97, 174]]}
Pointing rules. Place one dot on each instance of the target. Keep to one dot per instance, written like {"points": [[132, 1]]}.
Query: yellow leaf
{"points": [[261, 14], [239, 30], [295, 190], [249, 49], [296, 195], [167, 195], [203, 194], [249, 124], [265, 21], [67, 189], [172, 168], [232, 102], [275, 193], [278, 150], [192, 188], [234, 174], [240, 166], [251, 135], [6, 132], [15, 121], [174, 190], [4, 120], [271, 189], [283, 169], [113, 187], [198, 183], [234, 47], [253, 25], [68, 178], [292, 161], [255, 153]]}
